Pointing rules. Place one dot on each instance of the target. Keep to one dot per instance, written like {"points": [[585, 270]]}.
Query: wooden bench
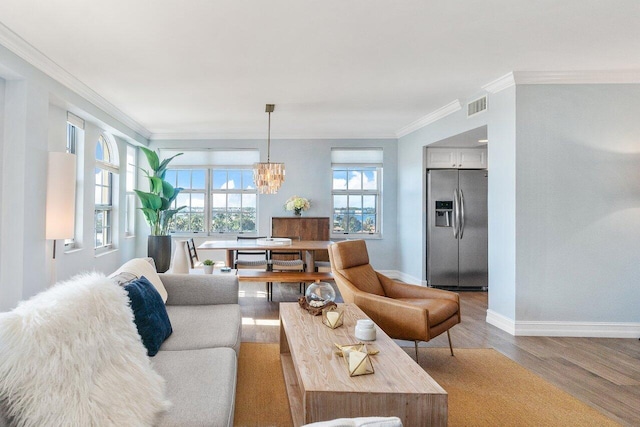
{"points": [[283, 277]]}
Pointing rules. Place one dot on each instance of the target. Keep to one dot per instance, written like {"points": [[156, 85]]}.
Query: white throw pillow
{"points": [[72, 356], [141, 267]]}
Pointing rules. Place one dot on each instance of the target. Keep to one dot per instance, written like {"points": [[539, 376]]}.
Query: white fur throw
{"points": [[72, 356]]}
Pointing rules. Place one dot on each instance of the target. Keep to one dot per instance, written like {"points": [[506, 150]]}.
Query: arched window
{"points": [[106, 168]]}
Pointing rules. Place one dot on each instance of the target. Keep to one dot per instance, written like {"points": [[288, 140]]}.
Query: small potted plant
{"points": [[208, 266]]}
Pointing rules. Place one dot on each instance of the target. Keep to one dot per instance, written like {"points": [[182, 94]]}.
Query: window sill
{"points": [[104, 252], [72, 251]]}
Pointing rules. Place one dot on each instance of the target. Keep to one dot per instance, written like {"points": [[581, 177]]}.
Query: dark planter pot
{"points": [[159, 248]]}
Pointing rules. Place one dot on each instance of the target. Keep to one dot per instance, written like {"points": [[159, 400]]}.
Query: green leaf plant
{"points": [[157, 202]]}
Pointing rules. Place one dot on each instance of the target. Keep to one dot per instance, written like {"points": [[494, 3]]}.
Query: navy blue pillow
{"points": [[150, 314]]}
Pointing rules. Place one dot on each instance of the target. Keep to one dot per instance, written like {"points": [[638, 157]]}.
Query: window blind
{"points": [[211, 157], [356, 156], [75, 120]]}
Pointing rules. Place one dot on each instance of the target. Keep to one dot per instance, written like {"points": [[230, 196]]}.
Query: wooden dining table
{"points": [[308, 247]]}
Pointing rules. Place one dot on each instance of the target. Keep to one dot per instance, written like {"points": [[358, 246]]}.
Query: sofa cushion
{"points": [[149, 314], [201, 384], [141, 267], [71, 355], [204, 326]]}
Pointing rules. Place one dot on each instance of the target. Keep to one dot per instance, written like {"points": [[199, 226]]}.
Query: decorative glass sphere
{"points": [[319, 294]]}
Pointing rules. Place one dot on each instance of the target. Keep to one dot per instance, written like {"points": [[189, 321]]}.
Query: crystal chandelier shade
{"points": [[268, 177]]}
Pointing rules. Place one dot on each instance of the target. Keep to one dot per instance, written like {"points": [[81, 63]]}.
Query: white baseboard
{"points": [[564, 329], [501, 322]]}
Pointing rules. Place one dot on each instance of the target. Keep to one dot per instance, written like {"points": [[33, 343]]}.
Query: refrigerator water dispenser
{"points": [[444, 211]]}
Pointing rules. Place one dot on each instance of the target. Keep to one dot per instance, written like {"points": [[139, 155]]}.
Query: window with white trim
{"points": [[75, 146], [217, 200], [193, 183], [356, 192], [105, 170], [234, 201], [217, 190], [72, 144], [131, 180]]}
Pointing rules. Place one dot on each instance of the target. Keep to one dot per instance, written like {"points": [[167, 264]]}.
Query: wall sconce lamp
{"points": [[61, 197]]}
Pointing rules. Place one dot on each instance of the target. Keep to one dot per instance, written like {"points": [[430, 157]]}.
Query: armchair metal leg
{"points": [[416, 343], [450, 346]]}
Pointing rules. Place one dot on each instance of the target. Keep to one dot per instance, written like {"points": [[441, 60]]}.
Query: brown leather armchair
{"points": [[403, 311]]}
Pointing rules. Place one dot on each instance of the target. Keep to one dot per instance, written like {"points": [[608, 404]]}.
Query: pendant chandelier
{"points": [[268, 176]]}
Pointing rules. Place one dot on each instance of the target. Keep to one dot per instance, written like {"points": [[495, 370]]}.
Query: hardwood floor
{"points": [[602, 372]]}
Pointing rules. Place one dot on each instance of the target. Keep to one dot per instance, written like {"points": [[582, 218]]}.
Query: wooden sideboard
{"points": [[307, 228]]}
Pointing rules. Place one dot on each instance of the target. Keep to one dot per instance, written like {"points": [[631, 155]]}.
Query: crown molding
{"points": [[193, 136], [441, 112], [563, 77], [577, 77], [40, 61], [500, 83]]}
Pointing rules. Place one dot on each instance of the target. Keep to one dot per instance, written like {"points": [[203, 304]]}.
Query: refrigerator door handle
{"points": [[461, 214], [455, 214]]}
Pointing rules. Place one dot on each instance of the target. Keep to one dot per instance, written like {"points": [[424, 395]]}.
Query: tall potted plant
{"points": [[156, 207]]}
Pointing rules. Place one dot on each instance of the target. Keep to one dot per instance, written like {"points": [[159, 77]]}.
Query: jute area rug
{"points": [[485, 389]]}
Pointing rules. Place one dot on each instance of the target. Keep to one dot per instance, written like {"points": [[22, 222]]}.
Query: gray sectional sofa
{"points": [[199, 360]]}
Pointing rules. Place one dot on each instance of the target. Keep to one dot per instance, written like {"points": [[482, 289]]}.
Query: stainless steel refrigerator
{"points": [[457, 229]]}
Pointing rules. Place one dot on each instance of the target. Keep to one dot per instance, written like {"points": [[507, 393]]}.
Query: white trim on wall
{"points": [[500, 83], [33, 56], [564, 329], [501, 322], [563, 77], [441, 112], [187, 136], [577, 77]]}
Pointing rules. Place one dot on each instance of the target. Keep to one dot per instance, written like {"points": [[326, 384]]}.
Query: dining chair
{"points": [[288, 260], [262, 263], [193, 254], [193, 257], [259, 258]]}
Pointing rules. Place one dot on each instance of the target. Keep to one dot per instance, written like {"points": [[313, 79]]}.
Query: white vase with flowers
{"points": [[297, 205]]}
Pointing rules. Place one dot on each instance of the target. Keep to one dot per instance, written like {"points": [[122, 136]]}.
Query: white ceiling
{"points": [[334, 68]]}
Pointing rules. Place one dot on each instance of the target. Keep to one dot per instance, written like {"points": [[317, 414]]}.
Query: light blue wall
{"points": [[23, 265], [501, 200], [308, 174], [578, 203]]}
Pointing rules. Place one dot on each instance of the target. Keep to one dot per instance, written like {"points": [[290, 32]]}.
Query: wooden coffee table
{"points": [[320, 388]]}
